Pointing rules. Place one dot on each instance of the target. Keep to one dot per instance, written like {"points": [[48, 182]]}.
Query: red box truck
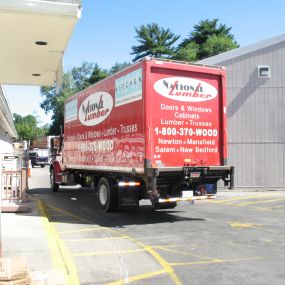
{"points": [[155, 130]]}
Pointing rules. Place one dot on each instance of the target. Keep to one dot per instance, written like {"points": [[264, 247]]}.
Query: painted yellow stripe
{"points": [[67, 213], [259, 202], [60, 254], [137, 278], [247, 225], [56, 215], [81, 230], [168, 269], [243, 198], [94, 239], [80, 254], [57, 262], [214, 261], [182, 252]]}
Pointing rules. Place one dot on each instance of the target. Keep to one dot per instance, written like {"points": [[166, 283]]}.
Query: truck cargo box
{"points": [[159, 121], [163, 112]]}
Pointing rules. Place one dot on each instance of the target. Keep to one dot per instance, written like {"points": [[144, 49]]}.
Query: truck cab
{"points": [[39, 157]]}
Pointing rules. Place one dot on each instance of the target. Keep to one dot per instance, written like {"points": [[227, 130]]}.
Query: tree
{"points": [[54, 102], [117, 67], [187, 53], [97, 74], [73, 81], [81, 75], [205, 30], [154, 41], [26, 127], [217, 44]]}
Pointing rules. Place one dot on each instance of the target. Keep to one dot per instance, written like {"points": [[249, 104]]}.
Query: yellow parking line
{"points": [[80, 254], [137, 277], [257, 202], [242, 198], [94, 239], [67, 213], [214, 261], [168, 269], [247, 225], [60, 255], [182, 252], [81, 230]]}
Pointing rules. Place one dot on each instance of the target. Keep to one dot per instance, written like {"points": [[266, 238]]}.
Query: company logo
{"points": [[185, 89], [95, 108]]}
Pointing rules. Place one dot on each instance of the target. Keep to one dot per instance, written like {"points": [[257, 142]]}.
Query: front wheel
{"points": [[107, 195], [54, 186]]}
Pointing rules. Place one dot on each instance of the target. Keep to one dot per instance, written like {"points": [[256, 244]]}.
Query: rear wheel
{"points": [[107, 195], [54, 186], [42, 166]]}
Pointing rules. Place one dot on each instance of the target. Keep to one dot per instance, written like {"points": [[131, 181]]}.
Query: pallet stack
{"points": [[14, 271]]}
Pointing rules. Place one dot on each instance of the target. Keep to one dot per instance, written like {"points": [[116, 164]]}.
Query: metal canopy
{"points": [[33, 37]]}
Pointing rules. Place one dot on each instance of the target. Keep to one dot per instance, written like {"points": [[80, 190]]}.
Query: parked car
{"points": [[39, 157]]}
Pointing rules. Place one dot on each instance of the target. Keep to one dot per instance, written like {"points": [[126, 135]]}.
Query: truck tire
{"points": [[54, 186], [107, 195], [42, 166]]}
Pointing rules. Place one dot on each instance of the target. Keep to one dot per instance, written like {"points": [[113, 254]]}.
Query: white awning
{"points": [[33, 37]]}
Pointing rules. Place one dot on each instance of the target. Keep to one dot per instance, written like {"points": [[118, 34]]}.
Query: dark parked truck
{"points": [[156, 130], [39, 157]]}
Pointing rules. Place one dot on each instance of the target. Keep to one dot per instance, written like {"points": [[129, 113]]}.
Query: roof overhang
{"points": [[25, 27]]}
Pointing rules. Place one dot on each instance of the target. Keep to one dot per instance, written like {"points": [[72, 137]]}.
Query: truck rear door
{"points": [[185, 114]]}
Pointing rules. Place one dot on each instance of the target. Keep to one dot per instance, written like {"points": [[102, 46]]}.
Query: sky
{"points": [[106, 32]]}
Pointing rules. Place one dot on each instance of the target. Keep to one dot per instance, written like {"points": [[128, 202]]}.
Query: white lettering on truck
{"points": [[96, 146], [185, 89], [95, 108]]}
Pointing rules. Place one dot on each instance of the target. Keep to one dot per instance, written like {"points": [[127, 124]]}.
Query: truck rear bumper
{"points": [[203, 174], [170, 182]]}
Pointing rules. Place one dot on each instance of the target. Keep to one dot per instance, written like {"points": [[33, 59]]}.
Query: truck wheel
{"points": [[107, 195], [54, 186], [42, 166]]}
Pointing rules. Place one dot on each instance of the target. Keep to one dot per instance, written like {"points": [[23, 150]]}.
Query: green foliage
{"points": [[216, 45], [154, 41], [97, 74], [73, 81], [26, 127], [43, 130], [208, 38], [207, 28], [118, 66], [187, 53], [206, 35], [80, 76]]}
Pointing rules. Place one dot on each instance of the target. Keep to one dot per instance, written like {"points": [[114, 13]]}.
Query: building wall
{"points": [[256, 114], [5, 143], [7, 127]]}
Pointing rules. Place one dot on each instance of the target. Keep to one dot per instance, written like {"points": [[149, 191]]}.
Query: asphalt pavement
{"points": [[234, 240]]}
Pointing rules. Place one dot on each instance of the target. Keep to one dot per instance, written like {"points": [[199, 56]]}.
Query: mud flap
{"points": [[128, 197]]}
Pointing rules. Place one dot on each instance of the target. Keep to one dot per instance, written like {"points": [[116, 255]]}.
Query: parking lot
{"points": [[236, 239]]}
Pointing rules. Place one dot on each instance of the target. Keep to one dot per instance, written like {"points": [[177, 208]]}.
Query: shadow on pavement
{"points": [[82, 203]]}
